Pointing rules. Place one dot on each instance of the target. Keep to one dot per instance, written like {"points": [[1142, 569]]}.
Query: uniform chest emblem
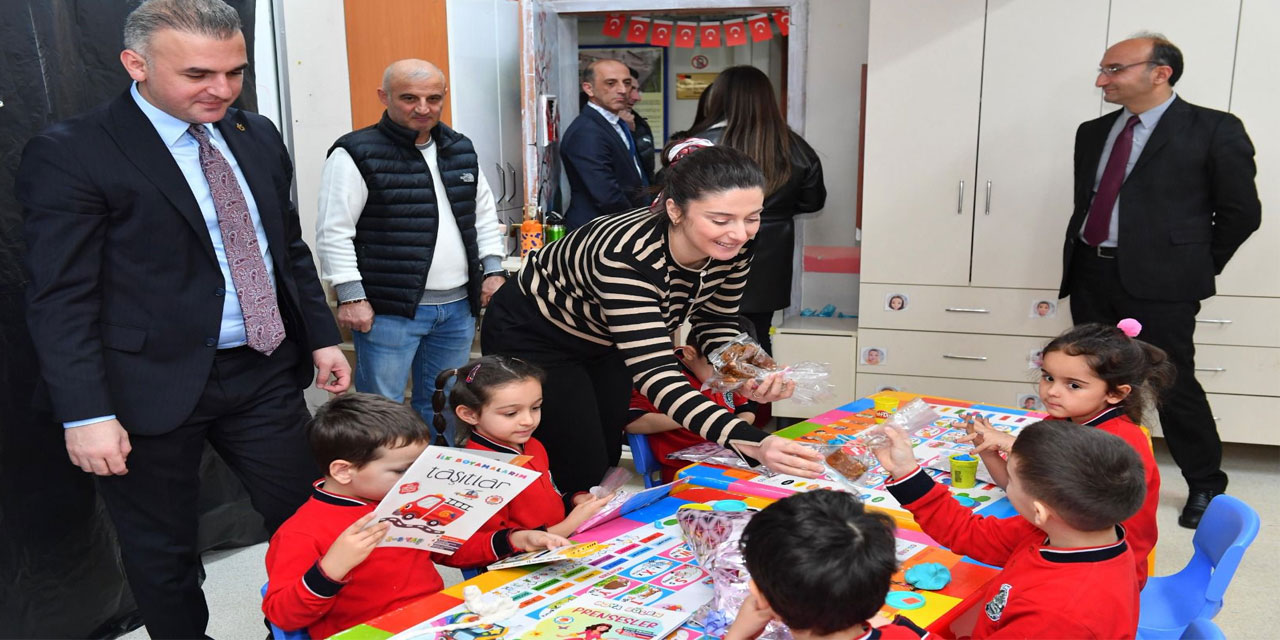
{"points": [[468, 177], [995, 608]]}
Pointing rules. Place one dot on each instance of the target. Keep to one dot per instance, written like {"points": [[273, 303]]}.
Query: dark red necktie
{"points": [[1098, 226], [262, 323]]}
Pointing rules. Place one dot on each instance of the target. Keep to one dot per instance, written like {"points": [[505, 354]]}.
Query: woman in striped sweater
{"points": [[597, 311]]}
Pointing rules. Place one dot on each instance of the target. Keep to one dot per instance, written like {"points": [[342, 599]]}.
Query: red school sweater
{"points": [[668, 442], [300, 595], [540, 505], [1043, 591], [1140, 529]]}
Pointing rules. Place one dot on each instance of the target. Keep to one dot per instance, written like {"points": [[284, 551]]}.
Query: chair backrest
{"points": [[280, 634], [1227, 528], [1202, 629], [643, 457]]}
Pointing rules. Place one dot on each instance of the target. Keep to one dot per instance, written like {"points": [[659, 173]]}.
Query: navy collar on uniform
{"points": [[1087, 554], [493, 446], [1107, 414], [327, 497]]}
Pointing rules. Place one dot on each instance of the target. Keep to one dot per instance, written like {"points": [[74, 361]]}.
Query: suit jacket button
{"points": [[211, 342], [220, 292]]}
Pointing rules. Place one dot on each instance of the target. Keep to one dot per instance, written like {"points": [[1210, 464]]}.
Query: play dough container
{"points": [[884, 408], [964, 471]]}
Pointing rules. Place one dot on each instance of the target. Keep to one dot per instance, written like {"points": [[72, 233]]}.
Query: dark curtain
{"points": [[60, 572]]}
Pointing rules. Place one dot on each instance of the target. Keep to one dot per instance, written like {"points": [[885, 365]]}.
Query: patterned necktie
{"points": [[262, 323], [1098, 227]]}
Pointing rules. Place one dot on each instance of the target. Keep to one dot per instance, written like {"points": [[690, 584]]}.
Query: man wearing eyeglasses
{"points": [[1164, 195]]}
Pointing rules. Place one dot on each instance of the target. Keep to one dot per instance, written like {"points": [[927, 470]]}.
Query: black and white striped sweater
{"points": [[613, 282]]}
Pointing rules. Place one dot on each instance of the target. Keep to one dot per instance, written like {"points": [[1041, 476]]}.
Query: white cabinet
{"points": [[484, 92], [830, 340], [1205, 32]]}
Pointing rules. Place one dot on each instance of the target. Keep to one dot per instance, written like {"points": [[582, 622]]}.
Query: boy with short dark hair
{"points": [[821, 564], [323, 570], [1068, 572]]}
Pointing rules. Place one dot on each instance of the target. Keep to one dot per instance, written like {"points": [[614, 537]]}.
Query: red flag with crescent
{"points": [[661, 32], [638, 30], [686, 34], [759, 27], [735, 33], [709, 34], [613, 25], [784, 21]]}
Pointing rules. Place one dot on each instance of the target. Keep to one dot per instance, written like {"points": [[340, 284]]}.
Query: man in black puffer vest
{"points": [[408, 237]]}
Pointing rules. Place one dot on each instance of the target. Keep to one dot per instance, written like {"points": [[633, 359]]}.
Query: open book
{"points": [[446, 496], [624, 503], [597, 618]]}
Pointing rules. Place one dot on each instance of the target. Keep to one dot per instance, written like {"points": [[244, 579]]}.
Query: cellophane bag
{"points": [[713, 453], [714, 538], [742, 359], [906, 419]]}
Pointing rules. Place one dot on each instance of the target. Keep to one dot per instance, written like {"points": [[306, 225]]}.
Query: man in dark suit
{"points": [[1164, 195], [639, 127], [599, 151], [172, 299]]}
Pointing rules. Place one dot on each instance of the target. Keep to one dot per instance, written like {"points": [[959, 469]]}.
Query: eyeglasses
{"points": [[1113, 69]]}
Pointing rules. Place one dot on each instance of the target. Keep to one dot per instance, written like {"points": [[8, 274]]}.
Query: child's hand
{"points": [[897, 458], [533, 539], [984, 437], [584, 510], [353, 545], [752, 618]]}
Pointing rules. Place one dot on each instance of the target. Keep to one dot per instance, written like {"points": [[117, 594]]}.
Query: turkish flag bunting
{"points": [[613, 25], [735, 33], [638, 30], [784, 21], [709, 34], [760, 28], [686, 34], [661, 32]]}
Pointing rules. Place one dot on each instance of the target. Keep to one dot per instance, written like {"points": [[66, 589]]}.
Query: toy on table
{"points": [[964, 471], [742, 359], [885, 407], [930, 576]]}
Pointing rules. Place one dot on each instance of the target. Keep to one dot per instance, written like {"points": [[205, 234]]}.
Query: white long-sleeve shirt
{"points": [[343, 194]]}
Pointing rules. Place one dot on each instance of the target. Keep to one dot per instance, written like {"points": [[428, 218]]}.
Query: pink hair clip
{"points": [[472, 376], [1130, 327]]}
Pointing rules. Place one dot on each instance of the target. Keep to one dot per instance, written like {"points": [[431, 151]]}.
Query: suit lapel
{"points": [[1175, 118], [249, 156], [615, 140], [141, 144], [1094, 143]]}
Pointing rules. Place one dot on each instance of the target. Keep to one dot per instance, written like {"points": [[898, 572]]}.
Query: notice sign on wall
{"points": [[689, 86]]}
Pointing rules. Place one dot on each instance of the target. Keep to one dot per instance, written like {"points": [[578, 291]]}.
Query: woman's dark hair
{"points": [[744, 98], [1092, 479], [699, 114], [1119, 360], [821, 560], [713, 169], [476, 381], [352, 426]]}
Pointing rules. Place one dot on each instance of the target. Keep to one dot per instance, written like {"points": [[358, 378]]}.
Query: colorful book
{"points": [[544, 556], [596, 618], [446, 496], [624, 503]]}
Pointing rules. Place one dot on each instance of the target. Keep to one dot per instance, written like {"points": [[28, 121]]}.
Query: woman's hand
{"points": [[786, 456], [773, 388]]}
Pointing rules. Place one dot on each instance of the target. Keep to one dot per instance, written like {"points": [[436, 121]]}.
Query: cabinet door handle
{"points": [[960, 198], [986, 210], [502, 177], [513, 182], [1212, 369], [966, 310], [1213, 321], [951, 356]]}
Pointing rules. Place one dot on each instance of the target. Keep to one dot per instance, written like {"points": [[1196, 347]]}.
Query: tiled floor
{"points": [[1250, 611]]}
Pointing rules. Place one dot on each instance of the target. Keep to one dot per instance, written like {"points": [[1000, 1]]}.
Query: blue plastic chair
{"points": [[646, 464], [1203, 629], [468, 574], [280, 634], [1171, 603]]}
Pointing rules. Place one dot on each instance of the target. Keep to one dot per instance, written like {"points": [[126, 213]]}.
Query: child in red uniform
{"points": [[820, 564], [666, 435], [1068, 571], [323, 570], [498, 401], [1099, 376]]}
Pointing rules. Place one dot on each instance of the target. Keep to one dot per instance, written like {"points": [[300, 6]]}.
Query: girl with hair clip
{"points": [[742, 112], [1098, 376], [598, 311], [498, 402]]}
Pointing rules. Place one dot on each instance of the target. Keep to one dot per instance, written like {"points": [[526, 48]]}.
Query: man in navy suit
{"points": [[1164, 195], [172, 300], [599, 152]]}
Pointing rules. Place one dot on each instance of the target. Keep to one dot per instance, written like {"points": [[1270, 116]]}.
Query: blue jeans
{"points": [[438, 337]]}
